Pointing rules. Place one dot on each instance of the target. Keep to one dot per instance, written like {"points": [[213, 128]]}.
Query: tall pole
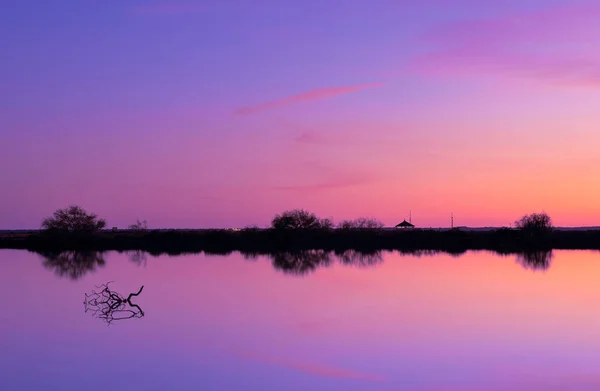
{"points": [[452, 220], [410, 216]]}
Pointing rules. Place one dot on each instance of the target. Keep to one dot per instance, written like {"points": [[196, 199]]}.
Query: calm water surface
{"points": [[430, 323]]}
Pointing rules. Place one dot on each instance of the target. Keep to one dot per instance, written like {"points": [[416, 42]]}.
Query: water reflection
{"points": [[138, 257], [360, 259], [109, 305], [73, 264], [76, 264], [535, 260], [300, 262], [477, 323]]}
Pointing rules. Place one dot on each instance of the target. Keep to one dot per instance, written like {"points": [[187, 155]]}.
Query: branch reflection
{"points": [[109, 305]]}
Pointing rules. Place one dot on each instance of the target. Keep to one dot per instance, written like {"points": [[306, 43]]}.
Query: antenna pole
{"points": [[452, 220], [410, 216]]}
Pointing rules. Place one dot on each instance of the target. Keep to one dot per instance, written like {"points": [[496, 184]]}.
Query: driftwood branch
{"points": [[109, 305]]}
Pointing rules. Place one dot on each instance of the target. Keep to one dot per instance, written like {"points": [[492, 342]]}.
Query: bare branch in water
{"points": [[109, 305]]}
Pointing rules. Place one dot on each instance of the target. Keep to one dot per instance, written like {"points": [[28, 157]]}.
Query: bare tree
{"points": [[535, 222], [299, 219], [109, 305], [326, 223], [139, 226], [361, 223], [73, 219]]}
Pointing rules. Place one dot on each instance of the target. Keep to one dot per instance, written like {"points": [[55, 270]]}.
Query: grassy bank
{"points": [[269, 240]]}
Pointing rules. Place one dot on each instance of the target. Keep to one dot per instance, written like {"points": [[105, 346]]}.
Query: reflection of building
{"points": [[405, 224]]}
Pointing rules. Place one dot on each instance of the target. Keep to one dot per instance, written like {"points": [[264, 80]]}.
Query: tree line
{"points": [[76, 220]]}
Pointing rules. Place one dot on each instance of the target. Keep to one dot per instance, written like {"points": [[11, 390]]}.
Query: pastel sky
{"points": [[217, 113]]}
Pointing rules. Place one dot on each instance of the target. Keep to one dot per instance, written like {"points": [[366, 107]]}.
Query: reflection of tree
{"points": [[73, 264], [360, 259], [138, 257], [109, 305], [250, 255], [419, 253], [300, 262], [535, 260]]}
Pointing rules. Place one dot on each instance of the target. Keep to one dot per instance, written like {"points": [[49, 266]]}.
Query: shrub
{"points": [[361, 223], [73, 219], [299, 219], [535, 222]]}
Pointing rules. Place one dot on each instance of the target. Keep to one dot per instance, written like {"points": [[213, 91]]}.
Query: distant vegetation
{"points": [[139, 226], [360, 223], [77, 264], [295, 230]]}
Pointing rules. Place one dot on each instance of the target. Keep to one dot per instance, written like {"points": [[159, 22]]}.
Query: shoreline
{"points": [[252, 240]]}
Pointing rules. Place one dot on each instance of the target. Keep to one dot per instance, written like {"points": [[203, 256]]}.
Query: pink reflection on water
{"points": [[477, 322], [310, 368]]}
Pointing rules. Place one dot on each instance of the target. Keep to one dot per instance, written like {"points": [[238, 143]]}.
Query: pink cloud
{"points": [[317, 94], [312, 368], [334, 182], [323, 138], [333, 136], [557, 23], [552, 45], [168, 9]]}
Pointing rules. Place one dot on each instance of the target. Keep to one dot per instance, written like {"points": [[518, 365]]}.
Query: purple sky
{"points": [[223, 113]]}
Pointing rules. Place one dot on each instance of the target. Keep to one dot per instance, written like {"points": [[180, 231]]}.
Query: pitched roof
{"points": [[405, 223]]}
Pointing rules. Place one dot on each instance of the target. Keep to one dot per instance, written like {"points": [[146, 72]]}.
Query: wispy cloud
{"points": [[312, 95], [554, 45], [311, 368], [167, 8], [335, 182], [321, 138]]}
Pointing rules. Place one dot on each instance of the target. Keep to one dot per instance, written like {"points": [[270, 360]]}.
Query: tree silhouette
{"points": [[73, 264], [360, 223], [109, 305], [73, 219], [534, 223], [300, 219]]}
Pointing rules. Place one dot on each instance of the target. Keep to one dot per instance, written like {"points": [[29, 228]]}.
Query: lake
{"points": [[426, 322]]}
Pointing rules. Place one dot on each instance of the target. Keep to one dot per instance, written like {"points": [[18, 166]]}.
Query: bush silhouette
{"points": [[535, 223], [73, 219], [299, 219], [360, 223]]}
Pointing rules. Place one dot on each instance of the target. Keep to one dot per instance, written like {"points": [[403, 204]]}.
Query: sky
{"points": [[222, 113]]}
